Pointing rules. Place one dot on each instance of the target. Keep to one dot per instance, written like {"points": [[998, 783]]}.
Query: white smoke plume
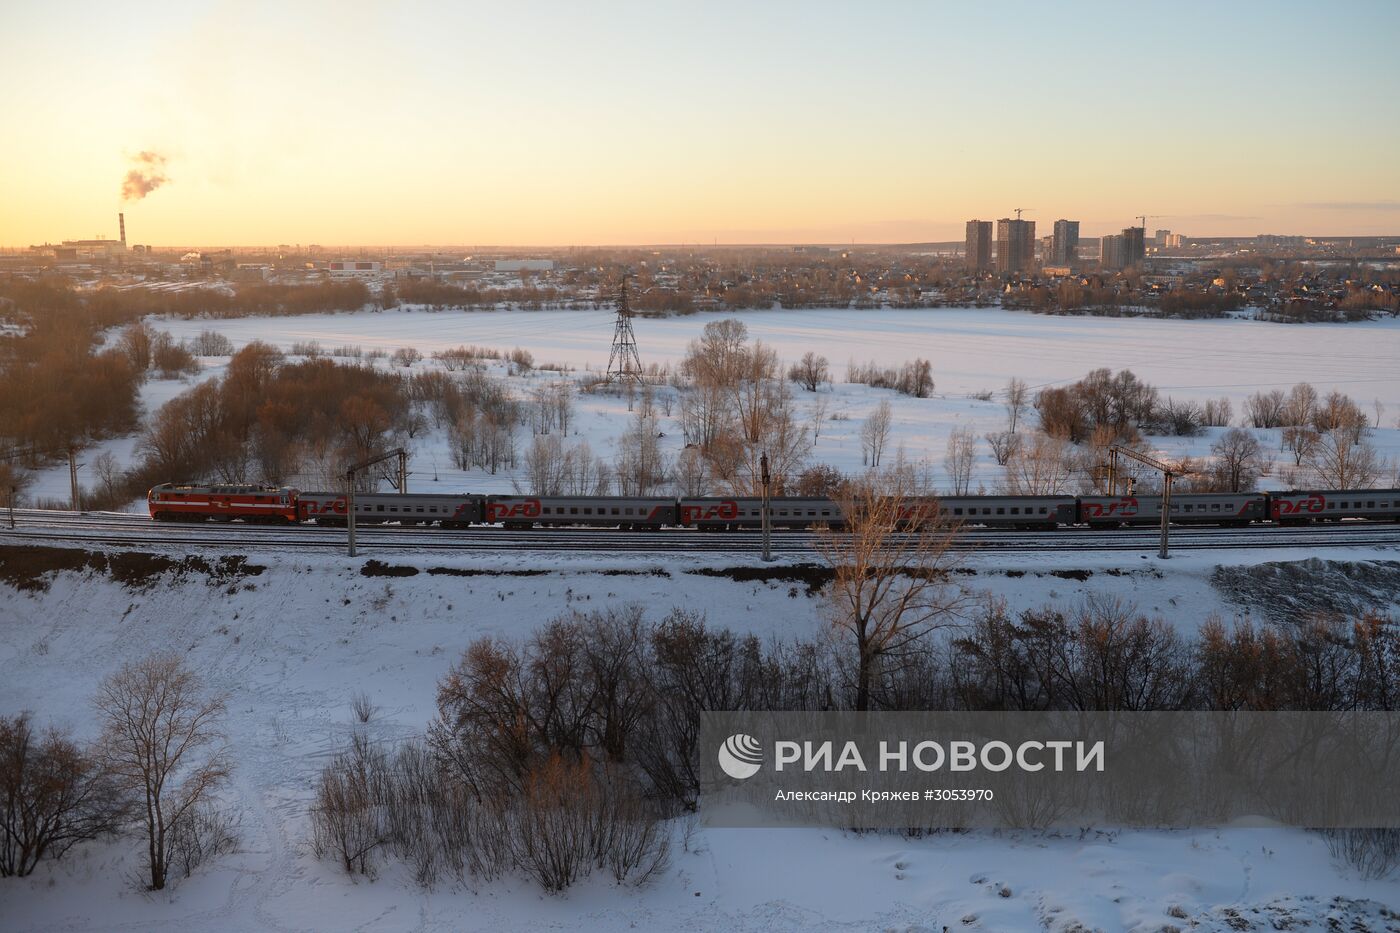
{"points": [[146, 175]]}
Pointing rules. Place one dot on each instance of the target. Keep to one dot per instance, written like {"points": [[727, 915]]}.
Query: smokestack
{"points": [[121, 224]]}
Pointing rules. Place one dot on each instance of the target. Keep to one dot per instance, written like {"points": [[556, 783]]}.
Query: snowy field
{"points": [[292, 645], [972, 351]]}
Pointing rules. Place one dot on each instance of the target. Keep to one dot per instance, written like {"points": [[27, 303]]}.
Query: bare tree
{"points": [[1018, 400], [1217, 413], [1238, 460], [811, 371], [1339, 413], [1338, 463], [891, 578], [875, 434], [1300, 406], [691, 474], [819, 412], [1003, 444], [1265, 409], [641, 465], [1299, 442], [545, 466], [53, 795], [1043, 466], [161, 739], [959, 458]]}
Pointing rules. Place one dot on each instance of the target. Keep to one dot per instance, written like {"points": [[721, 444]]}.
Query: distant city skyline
{"points": [[536, 124]]}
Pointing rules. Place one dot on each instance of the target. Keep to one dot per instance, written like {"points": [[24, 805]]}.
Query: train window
{"points": [[1015, 510], [573, 510], [588, 511], [628, 511], [825, 513], [1043, 511], [420, 509], [1370, 505], [615, 511], [380, 509], [811, 513], [957, 511]]}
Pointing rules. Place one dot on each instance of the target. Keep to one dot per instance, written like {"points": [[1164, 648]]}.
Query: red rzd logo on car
{"points": [[1128, 505], [726, 511], [527, 508], [1285, 507]]}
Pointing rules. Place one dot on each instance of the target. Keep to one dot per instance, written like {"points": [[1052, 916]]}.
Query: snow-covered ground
{"points": [[973, 351], [293, 644]]}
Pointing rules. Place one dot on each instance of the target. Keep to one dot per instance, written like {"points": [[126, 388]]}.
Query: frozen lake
{"points": [[971, 349]]}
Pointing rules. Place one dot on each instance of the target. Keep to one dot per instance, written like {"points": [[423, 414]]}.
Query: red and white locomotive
{"points": [[190, 502]]}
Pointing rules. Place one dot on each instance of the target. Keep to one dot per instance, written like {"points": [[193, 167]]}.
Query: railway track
{"points": [[135, 530]]}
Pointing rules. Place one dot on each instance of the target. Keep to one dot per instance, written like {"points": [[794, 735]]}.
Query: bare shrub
{"points": [[1183, 419], [349, 817], [1372, 852], [406, 356], [171, 360], [211, 343], [363, 707], [204, 835]]}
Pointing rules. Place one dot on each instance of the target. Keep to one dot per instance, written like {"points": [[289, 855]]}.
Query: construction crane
{"points": [[1145, 217], [1019, 209]]}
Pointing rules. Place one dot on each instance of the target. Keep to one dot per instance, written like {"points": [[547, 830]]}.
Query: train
{"points": [[285, 505]]}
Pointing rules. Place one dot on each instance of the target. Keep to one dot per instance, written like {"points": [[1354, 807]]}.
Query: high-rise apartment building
{"points": [[1064, 245], [1015, 245], [979, 245], [1111, 252], [1134, 246], [1161, 237]]}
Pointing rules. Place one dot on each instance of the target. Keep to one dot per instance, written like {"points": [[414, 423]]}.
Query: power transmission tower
{"points": [[623, 364]]}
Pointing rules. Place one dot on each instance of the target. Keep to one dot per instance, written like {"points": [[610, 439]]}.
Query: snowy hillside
{"points": [[291, 639]]}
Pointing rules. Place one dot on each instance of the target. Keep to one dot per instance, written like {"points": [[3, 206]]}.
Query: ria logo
{"points": [[740, 756]]}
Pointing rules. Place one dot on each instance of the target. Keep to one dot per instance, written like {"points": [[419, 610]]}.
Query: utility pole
{"points": [[350, 512], [73, 478], [1168, 474], [767, 518], [354, 468]]}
